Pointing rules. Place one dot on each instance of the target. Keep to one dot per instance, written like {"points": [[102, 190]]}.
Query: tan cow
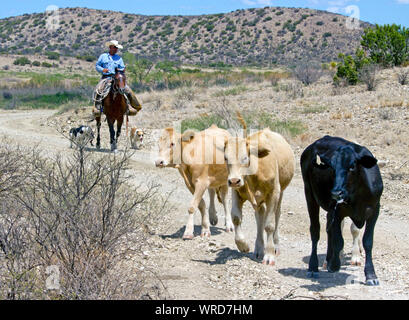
{"points": [[202, 166], [260, 167]]}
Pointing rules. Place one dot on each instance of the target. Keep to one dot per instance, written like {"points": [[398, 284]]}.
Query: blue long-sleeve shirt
{"points": [[106, 61]]}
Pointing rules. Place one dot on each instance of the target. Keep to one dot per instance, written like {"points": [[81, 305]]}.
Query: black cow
{"points": [[344, 179]]}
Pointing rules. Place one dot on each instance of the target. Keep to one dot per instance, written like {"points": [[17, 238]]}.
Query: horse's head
{"points": [[120, 81]]}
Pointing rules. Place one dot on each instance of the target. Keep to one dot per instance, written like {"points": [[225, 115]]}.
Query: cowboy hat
{"points": [[114, 43]]}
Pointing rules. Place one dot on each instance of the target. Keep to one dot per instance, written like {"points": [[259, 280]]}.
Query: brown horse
{"points": [[115, 107]]}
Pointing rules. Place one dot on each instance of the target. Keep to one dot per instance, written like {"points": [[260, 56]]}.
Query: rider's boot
{"points": [[134, 105]]}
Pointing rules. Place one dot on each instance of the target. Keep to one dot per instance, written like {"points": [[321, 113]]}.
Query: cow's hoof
{"points": [[330, 270], [334, 267], [355, 261], [372, 282], [313, 274], [229, 227], [205, 233], [187, 237], [242, 246], [259, 253], [213, 221], [269, 260]]}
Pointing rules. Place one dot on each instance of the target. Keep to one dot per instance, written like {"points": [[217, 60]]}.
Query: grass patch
{"points": [[231, 92], [50, 80], [203, 122], [257, 121], [43, 98], [51, 101], [313, 109]]}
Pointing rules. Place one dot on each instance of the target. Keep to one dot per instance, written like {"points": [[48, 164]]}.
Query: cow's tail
{"points": [[242, 122]]}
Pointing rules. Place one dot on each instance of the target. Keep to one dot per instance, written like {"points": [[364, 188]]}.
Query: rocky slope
{"points": [[255, 36]]}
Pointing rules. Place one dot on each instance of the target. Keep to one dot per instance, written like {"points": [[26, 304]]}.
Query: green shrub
{"points": [[52, 55], [36, 63], [350, 67], [46, 65], [87, 57], [22, 61]]}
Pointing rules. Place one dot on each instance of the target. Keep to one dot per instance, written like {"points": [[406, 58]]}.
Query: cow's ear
{"points": [[263, 152], [260, 151], [321, 161], [188, 136], [366, 159]]}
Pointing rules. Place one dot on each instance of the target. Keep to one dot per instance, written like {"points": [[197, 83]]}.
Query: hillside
{"points": [[254, 36]]}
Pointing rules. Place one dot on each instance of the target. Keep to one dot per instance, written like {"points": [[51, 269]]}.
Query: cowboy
{"points": [[107, 65]]}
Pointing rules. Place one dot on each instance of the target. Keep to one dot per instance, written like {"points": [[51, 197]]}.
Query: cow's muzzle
{"points": [[339, 196], [235, 183], [160, 163]]}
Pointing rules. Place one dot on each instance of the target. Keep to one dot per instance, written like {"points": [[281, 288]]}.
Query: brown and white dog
{"points": [[137, 138]]}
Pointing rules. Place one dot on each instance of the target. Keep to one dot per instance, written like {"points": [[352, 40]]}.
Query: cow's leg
{"points": [[356, 252], [313, 211], [112, 135], [223, 191], [334, 263], [371, 278], [212, 208], [270, 217], [260, 220], [98, 145], [277, 220], [205, 219], [341, 254], [200, 188], [237, 215]]}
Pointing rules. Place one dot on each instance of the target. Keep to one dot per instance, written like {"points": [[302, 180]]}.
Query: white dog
{"points": [[137, 138], [81, 136]]}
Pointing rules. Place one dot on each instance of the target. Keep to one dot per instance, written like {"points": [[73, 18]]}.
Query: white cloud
{"points": [[258, 2], [334, 9], [403, 1]]}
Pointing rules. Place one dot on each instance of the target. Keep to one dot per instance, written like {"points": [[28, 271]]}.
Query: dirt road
{"points": [[214, 268]]}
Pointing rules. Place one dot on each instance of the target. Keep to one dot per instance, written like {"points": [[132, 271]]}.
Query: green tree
{"points": [[387, 45], [140, 70], [168, 69]]}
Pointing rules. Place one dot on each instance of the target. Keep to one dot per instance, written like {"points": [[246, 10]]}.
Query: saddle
{"points": [[103, 90]]}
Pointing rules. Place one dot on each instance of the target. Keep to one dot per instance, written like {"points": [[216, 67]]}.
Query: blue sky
{"points": [[374, 11]]}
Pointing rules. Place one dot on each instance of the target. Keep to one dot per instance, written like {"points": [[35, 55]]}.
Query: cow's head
{"points": [[170, 147], [347, 163], [168, 143], [241, 156]]}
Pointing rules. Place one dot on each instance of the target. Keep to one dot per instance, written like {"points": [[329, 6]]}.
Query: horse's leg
{"points": [[118, 127], [98, 119], [112, 134]]}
